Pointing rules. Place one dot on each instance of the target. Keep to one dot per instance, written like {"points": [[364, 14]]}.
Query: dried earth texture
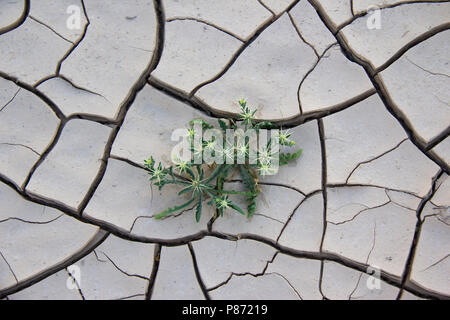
{"points": [[89, 89]]}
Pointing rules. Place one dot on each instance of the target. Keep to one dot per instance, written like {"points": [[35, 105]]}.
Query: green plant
{"points": [[193, 180]]}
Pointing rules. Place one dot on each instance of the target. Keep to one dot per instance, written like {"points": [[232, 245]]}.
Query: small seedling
{"points": [[200, 186]]}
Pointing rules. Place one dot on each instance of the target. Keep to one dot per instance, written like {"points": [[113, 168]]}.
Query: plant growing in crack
{"points": [[251, 157]]}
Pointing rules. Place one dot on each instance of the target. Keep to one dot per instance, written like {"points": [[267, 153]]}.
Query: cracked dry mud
{"points": [[80, 110]]}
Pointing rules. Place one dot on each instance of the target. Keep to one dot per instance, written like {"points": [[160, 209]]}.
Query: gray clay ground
{"points": [[81, 108]]}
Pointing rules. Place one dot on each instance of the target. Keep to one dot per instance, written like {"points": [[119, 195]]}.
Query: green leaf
{"points": [[211, 195], [190, 172], [241, 193], [215, 173], [172, 210], [180, 182], [222, 176], [247, 178], [185, 190], [223, 125], [150, 165], [170, 171], [285, 158], [288, 143], [264, 125], [298, 153], [205, 125], [198, 210], [237, 208], [251, 208], [250, 183]]}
